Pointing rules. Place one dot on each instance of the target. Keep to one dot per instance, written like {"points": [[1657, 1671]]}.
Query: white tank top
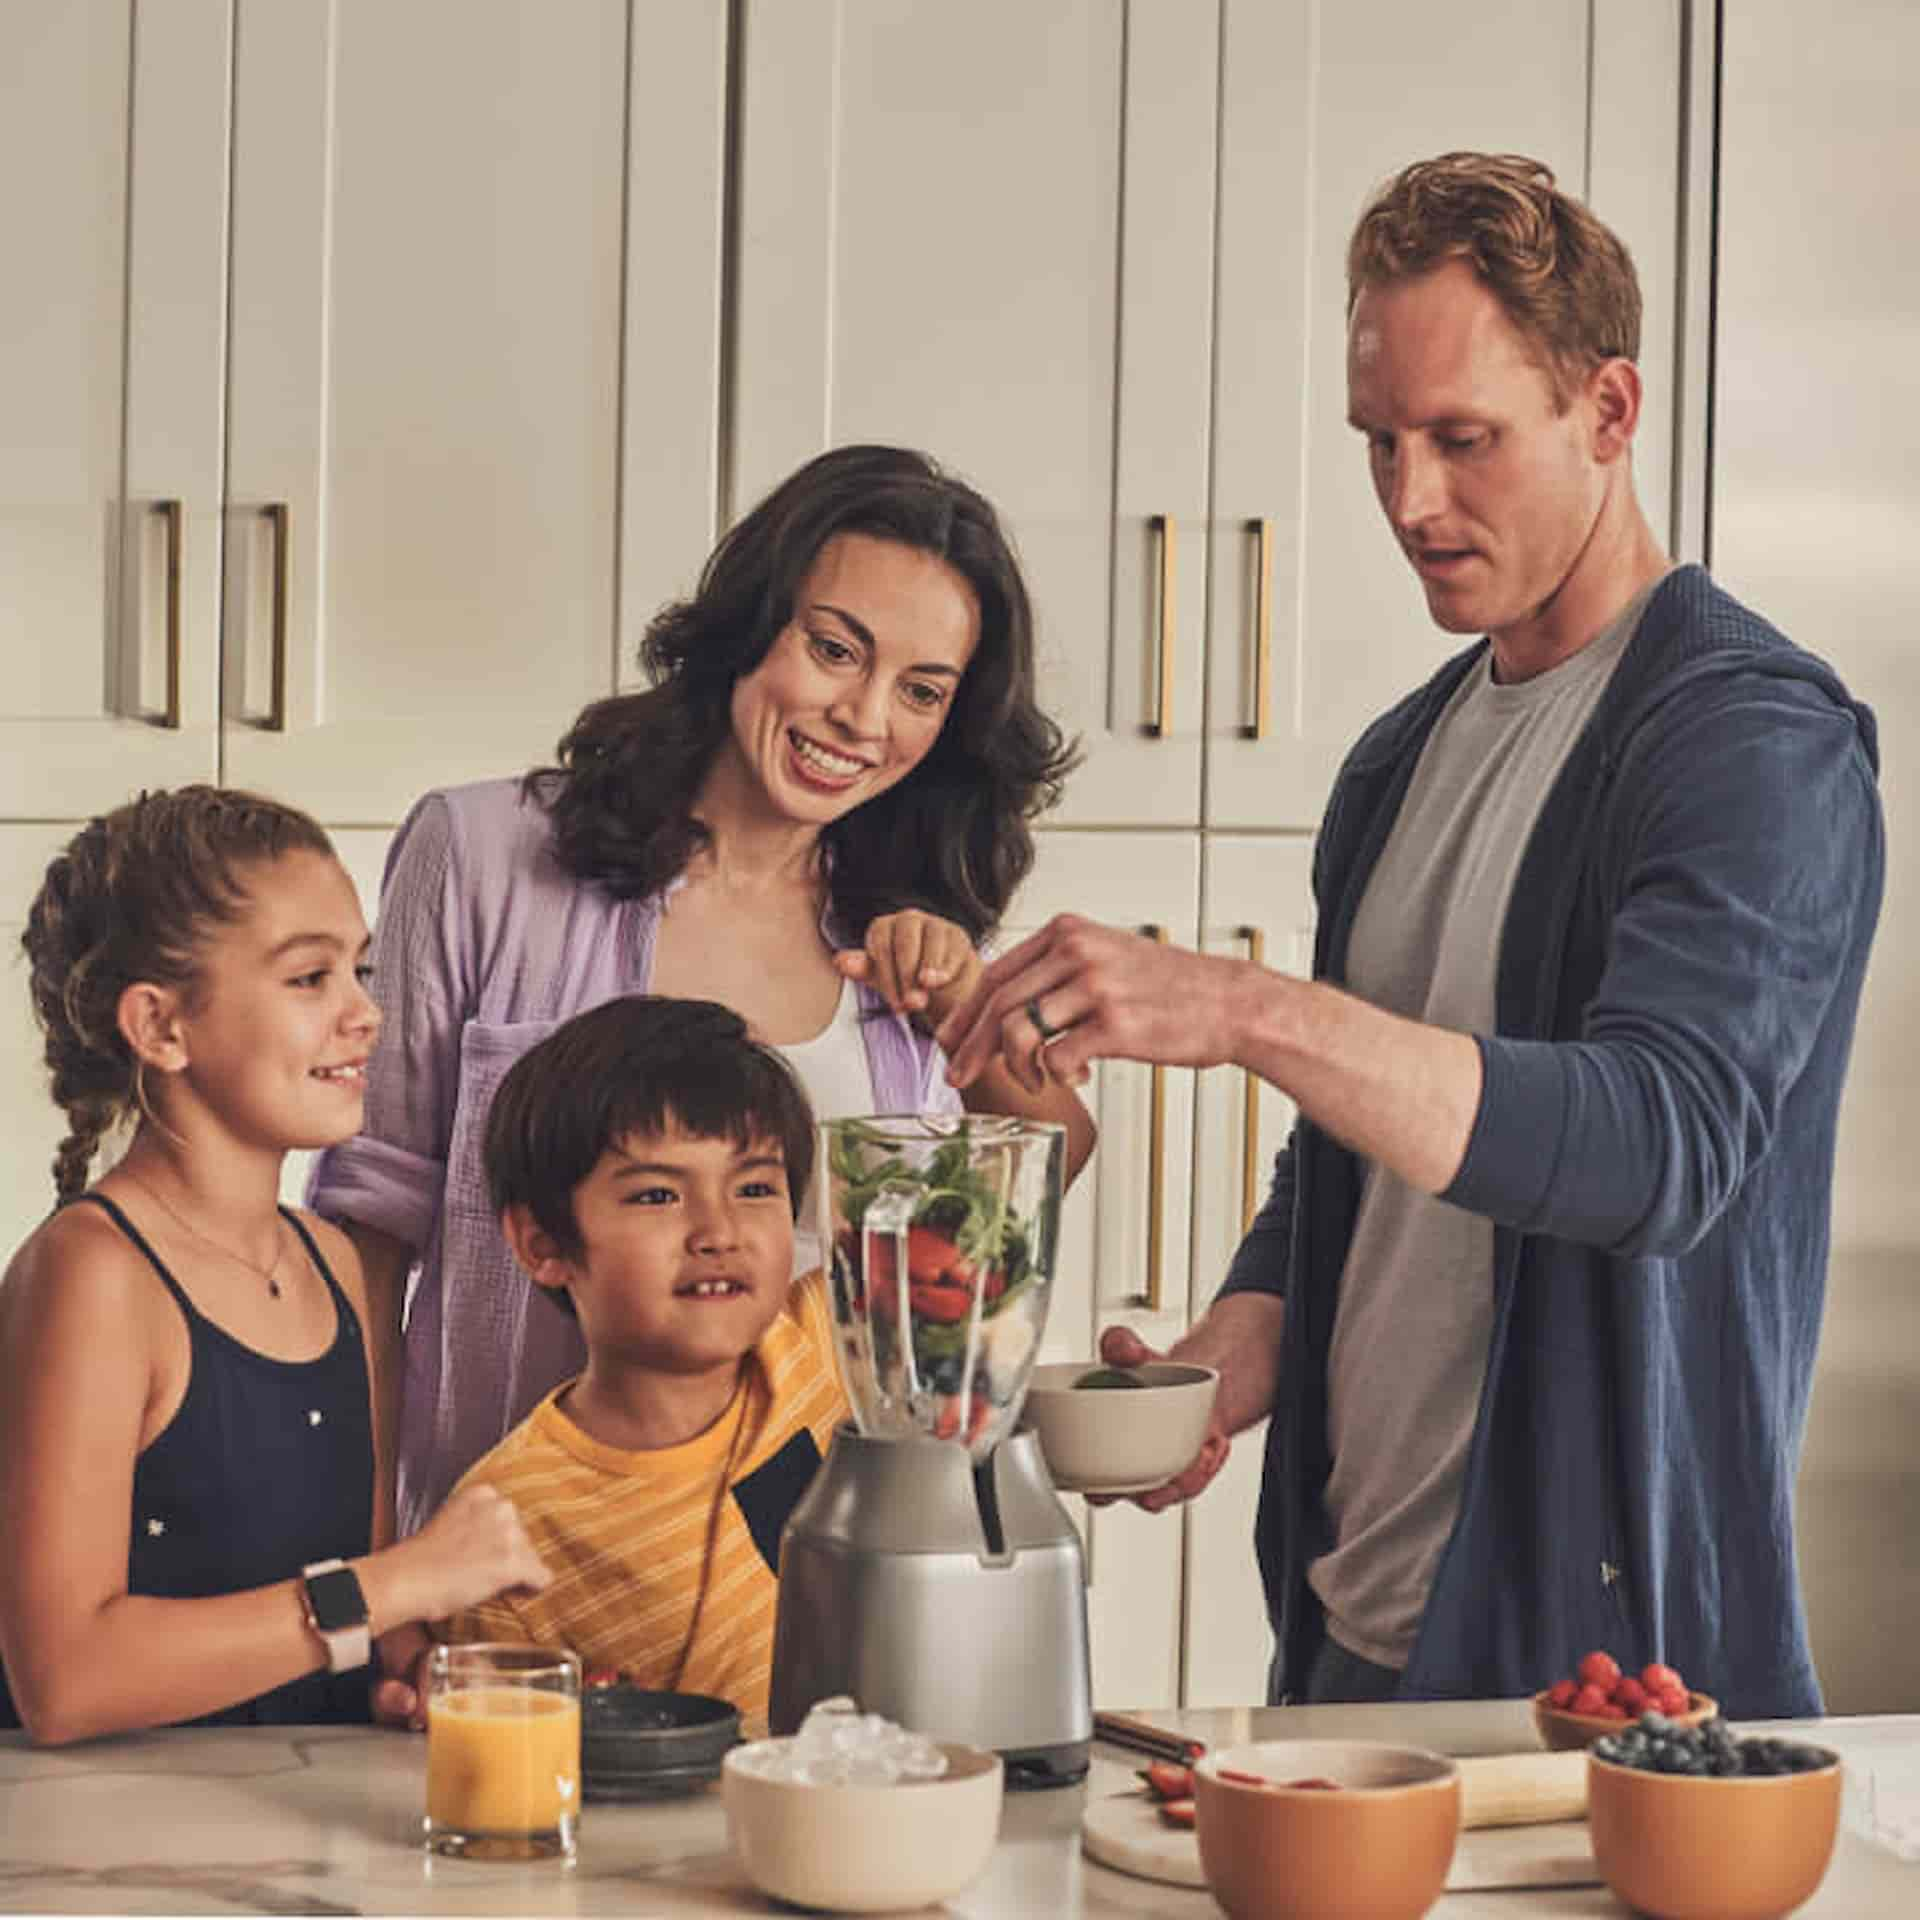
{"points": [[832, 1066]]}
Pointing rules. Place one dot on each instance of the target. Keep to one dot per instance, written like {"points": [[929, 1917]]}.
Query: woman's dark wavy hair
{"points": [[954, 837]]}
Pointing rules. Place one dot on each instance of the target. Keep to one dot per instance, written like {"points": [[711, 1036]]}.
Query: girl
{"points": [[186, 1436]]}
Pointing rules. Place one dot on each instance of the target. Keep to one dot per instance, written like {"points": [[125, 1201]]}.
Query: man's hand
{"points": [[919, 964], [1122, 1347], [1076, 992]]}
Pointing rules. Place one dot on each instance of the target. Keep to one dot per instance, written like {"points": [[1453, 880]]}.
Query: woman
{"points": [[815, 815]]}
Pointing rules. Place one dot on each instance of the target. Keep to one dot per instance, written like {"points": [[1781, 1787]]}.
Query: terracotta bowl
{"points": [[866, 1849], [1377, 1847], [1118, 1439], [1562, 1730], [1739, 1847]]}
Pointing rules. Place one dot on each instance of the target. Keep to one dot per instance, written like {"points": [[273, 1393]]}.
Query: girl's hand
{"points": [[475, 1547], [919, 964]]}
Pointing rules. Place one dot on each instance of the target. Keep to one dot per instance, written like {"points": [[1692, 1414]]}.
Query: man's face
{"points": [[1492, 490]]}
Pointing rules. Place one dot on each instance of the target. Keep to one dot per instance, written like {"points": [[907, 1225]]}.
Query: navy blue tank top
{"points": [[266, 1466]]}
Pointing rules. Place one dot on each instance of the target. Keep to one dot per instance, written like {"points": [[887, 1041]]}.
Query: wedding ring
{"points": [[1040, 1023]]}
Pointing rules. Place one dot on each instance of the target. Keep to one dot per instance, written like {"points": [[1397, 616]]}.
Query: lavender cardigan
{"points": [[485, 945]]}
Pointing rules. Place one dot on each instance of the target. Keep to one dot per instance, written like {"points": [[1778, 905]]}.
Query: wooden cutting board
{"points": [[1125, 1831]]}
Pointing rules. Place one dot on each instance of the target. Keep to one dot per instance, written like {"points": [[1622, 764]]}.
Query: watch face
{"points": [[336, 1600]]}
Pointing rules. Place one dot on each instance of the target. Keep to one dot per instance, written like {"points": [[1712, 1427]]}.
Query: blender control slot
{"points": [[987, 1494]]}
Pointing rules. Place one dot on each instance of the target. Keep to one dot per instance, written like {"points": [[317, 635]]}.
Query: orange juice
{"points": [[502, 1760]]}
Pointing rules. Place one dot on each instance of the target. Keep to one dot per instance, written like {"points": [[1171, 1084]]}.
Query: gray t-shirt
{"points": [[1410, 1336]]}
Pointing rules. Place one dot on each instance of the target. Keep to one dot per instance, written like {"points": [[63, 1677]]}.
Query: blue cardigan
{"points": [[1679, 971]]}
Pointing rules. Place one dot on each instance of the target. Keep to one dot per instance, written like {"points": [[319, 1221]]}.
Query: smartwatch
{"points": [[337, 1611]]}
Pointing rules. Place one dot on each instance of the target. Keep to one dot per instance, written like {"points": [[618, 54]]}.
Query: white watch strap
{"points": [[349, 1648]]}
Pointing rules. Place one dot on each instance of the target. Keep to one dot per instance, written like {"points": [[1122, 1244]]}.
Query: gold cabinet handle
{"points": [[1250, 1109], [1164, 530], [1262, 530], [1156, 1167], [168, 513], [275, 515]]}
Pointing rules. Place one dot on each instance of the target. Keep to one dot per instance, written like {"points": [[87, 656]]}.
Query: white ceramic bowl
{"points": [[1119, 1439], [866, 1849]]}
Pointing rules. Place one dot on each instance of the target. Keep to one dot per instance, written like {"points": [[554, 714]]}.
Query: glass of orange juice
{"points": [[503, 1752]]}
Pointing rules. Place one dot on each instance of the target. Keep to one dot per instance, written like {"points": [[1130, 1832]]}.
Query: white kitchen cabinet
{"points": [[424, 387], [1124, 1236], [361, 477], [1257, 905], [113, 182], [987, 231], [1320, 106]]}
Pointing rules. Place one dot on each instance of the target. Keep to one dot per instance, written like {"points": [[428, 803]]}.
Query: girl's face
{"points": [[855, 688], [276, 1036]]}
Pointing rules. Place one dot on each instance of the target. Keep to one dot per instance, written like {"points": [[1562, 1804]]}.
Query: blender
{"points": [[930, 1570]]}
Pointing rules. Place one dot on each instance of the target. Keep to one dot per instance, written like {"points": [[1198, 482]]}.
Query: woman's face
{"points": [[855, 688]]}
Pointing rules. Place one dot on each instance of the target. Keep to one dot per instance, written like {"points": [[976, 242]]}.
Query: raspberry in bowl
{"points": [[1599, 1697]]}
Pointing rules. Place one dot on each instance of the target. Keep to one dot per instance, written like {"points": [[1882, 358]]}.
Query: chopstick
{"points": [[1121, 1730]]}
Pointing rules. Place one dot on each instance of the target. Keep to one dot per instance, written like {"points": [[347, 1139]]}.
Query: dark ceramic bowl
{"points": [[639, 1745]]}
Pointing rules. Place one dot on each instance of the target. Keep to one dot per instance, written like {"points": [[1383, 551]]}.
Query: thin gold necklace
{"points": [[268, 1274]]}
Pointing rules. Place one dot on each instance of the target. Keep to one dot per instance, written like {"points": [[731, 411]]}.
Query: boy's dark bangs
{"points": [[742, 1095]]}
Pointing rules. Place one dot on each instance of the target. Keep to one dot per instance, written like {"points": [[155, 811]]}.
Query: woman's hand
{"points": [[918, 963]]}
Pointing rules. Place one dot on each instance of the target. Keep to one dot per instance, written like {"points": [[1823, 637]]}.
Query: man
{"points": [[1535, 1298]]}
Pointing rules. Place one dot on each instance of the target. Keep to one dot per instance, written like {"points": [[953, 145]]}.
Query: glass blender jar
{"points": [[940, 1236]]}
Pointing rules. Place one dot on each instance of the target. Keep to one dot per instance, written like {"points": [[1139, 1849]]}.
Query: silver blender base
{"points": [[948, 1598]]}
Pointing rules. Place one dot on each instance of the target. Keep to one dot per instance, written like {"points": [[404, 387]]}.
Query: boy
{"points": [[647, 1159]]}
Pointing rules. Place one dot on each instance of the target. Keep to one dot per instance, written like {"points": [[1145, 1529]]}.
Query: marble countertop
{"points": [[327, 1821]]}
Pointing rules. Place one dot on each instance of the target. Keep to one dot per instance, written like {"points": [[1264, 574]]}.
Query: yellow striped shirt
{"points": [[625, 1533]]}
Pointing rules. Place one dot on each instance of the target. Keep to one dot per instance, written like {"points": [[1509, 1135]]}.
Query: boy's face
{"points": [[686, 1251]]}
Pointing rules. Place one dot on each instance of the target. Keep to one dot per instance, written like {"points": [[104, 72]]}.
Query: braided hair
{"points": [[132, 898]]}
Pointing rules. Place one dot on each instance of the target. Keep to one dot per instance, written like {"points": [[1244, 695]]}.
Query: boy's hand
{"points": [[918, 963], [400, 1692], [475, 1547]]}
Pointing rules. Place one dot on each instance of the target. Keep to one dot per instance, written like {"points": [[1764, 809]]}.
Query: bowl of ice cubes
{"points": [[853, 1814]]}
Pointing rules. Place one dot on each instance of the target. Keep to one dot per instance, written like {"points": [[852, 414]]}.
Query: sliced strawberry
{"points": [[1177, 1813], [1165, 1781]]}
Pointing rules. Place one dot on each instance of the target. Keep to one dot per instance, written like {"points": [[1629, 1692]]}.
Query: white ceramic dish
{"points": [[866, 1849], [1119, 1439]]}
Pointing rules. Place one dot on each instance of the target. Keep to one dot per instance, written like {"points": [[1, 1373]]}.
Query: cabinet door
{"points": [[986, 230], [425, 388], [1123, 1238], [112, 174], [1320, 106], [1258, 906]]}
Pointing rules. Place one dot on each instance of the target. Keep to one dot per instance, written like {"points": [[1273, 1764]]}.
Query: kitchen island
{"points": [[327, 1821]]}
